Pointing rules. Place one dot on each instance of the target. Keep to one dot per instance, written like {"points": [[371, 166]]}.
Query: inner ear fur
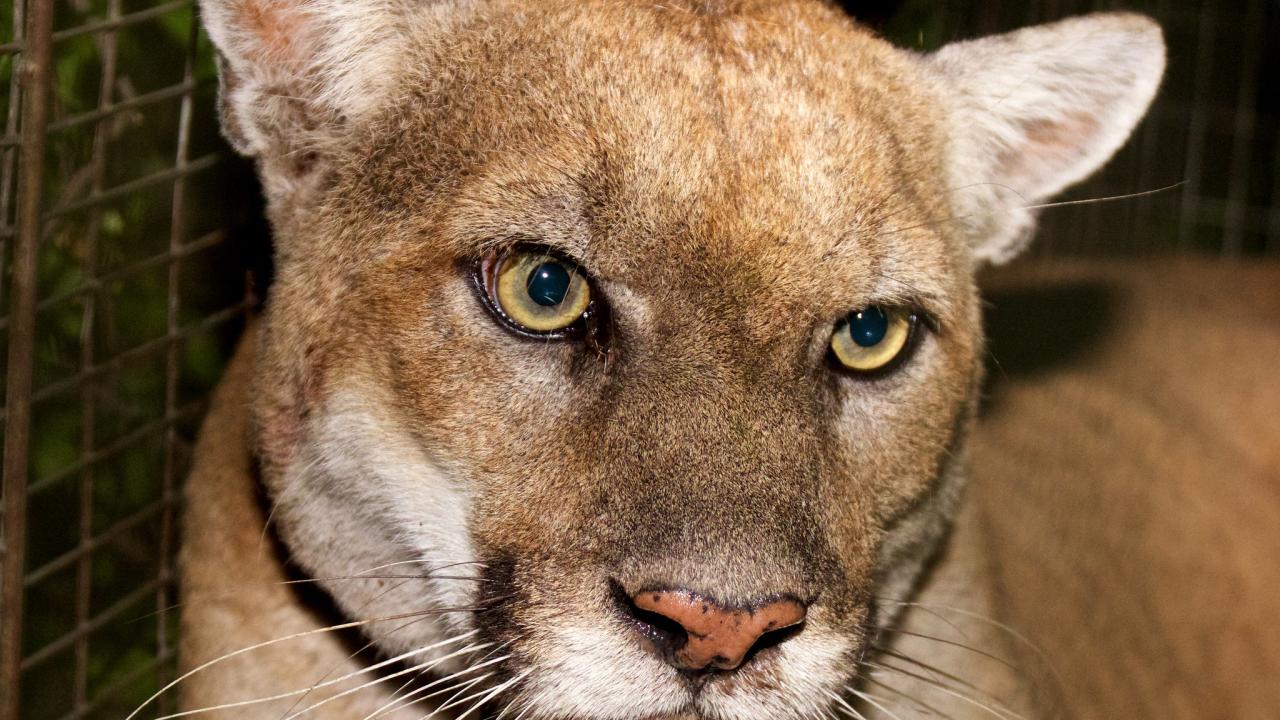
{"points": [[295, 74], [1032, 112]]}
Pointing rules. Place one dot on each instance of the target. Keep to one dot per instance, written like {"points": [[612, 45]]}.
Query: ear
{"points": [[295, 74], [1034, 111]]}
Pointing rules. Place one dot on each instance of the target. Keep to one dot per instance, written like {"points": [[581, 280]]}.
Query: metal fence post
{"points": [[36, 73]]}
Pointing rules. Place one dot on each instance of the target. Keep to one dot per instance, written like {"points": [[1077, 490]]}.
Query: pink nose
{"points": [[714, 636]]}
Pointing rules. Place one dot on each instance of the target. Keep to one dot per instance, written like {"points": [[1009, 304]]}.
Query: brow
{"points": [[486, 220]]}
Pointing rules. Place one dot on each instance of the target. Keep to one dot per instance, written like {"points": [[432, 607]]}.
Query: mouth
{"points": [[599, 649], [576, 673]]}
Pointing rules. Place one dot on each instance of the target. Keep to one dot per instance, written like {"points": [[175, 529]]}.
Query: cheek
{"points": [[500, 408], [892, 446], [891, 443], [532, 496], [456, 375]]}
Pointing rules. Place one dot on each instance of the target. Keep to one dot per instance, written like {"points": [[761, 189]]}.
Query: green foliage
{"points": [[101, 452], [919, 25]]}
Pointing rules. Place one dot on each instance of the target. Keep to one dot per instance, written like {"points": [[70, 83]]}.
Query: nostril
{"points": [[666, 634], [773, 638], [696, 633]]}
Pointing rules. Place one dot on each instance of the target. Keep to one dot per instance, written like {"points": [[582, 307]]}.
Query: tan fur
{"points": [[235, 586], [736, 178], [1132, 489], [1122, 514]]}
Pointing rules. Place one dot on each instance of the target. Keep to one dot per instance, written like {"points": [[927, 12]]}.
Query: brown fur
{"points": [[736, 178], [1132, 491]]}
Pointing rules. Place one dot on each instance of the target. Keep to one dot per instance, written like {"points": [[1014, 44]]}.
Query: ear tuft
{"points": [[1035, 111], [293, 72]]}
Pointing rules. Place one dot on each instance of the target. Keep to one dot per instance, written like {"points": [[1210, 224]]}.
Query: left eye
{"points": [[536, 292], [872, 338]]}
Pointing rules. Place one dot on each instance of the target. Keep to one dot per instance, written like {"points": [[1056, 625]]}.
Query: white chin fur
{"points": [[593, 670]]}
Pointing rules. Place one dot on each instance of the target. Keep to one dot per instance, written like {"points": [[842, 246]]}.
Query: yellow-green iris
{"points": [[871, 338], [540, 293]]}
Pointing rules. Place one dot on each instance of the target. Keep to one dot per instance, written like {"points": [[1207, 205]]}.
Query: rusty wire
{"points": [[67, 204], [36, 58]]}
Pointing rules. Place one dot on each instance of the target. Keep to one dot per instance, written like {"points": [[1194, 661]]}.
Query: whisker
{"points": [[933, 613], [282, 696], [925, 224], [380, 679], [521, 702], [1006, 715], [464, 687], [528, 705], [870, 677], [400, 701], [308, 467], [277, 641], [878, 706], [396, 699], [963, 646], [493, 693], [178, 605], [1039, 206], [933, 670], [992, 622], [405, 701], [506, 709], [845, 704], [376, 568], [382, 577], [355, 654], [1106, 199]]}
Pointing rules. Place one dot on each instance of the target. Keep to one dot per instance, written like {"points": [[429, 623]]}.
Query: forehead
{"points": [[770, 138]]}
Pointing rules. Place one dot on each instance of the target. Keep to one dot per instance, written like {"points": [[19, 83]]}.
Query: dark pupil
{"points": [[868, 327], [549, 283]]}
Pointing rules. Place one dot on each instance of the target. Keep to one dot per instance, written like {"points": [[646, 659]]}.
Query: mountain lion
{"points": [[622, 363]]}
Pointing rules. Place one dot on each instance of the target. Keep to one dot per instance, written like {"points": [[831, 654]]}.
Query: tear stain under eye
{"points": [[597, 320]]}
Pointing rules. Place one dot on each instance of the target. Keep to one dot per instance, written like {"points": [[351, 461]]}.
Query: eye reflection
{"points": [[868, 327], [549, 284], [535, 292]]}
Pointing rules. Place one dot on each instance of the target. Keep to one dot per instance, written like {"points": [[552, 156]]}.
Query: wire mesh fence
{"points": [[1212, 137], [126, 229], [121, 291]]}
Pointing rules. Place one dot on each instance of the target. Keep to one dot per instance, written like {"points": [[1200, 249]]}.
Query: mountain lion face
{"points": [[636, 343]]}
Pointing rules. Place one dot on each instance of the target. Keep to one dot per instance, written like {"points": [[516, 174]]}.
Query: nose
{"points": [[696, 633]]}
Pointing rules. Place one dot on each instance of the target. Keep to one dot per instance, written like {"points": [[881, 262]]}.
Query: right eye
{"points": [[536, 292], [873, 338]]}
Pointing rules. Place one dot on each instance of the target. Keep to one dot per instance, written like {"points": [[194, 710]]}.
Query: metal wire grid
{"points": [[85, 225], [1215, 128], [98, 154]]}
